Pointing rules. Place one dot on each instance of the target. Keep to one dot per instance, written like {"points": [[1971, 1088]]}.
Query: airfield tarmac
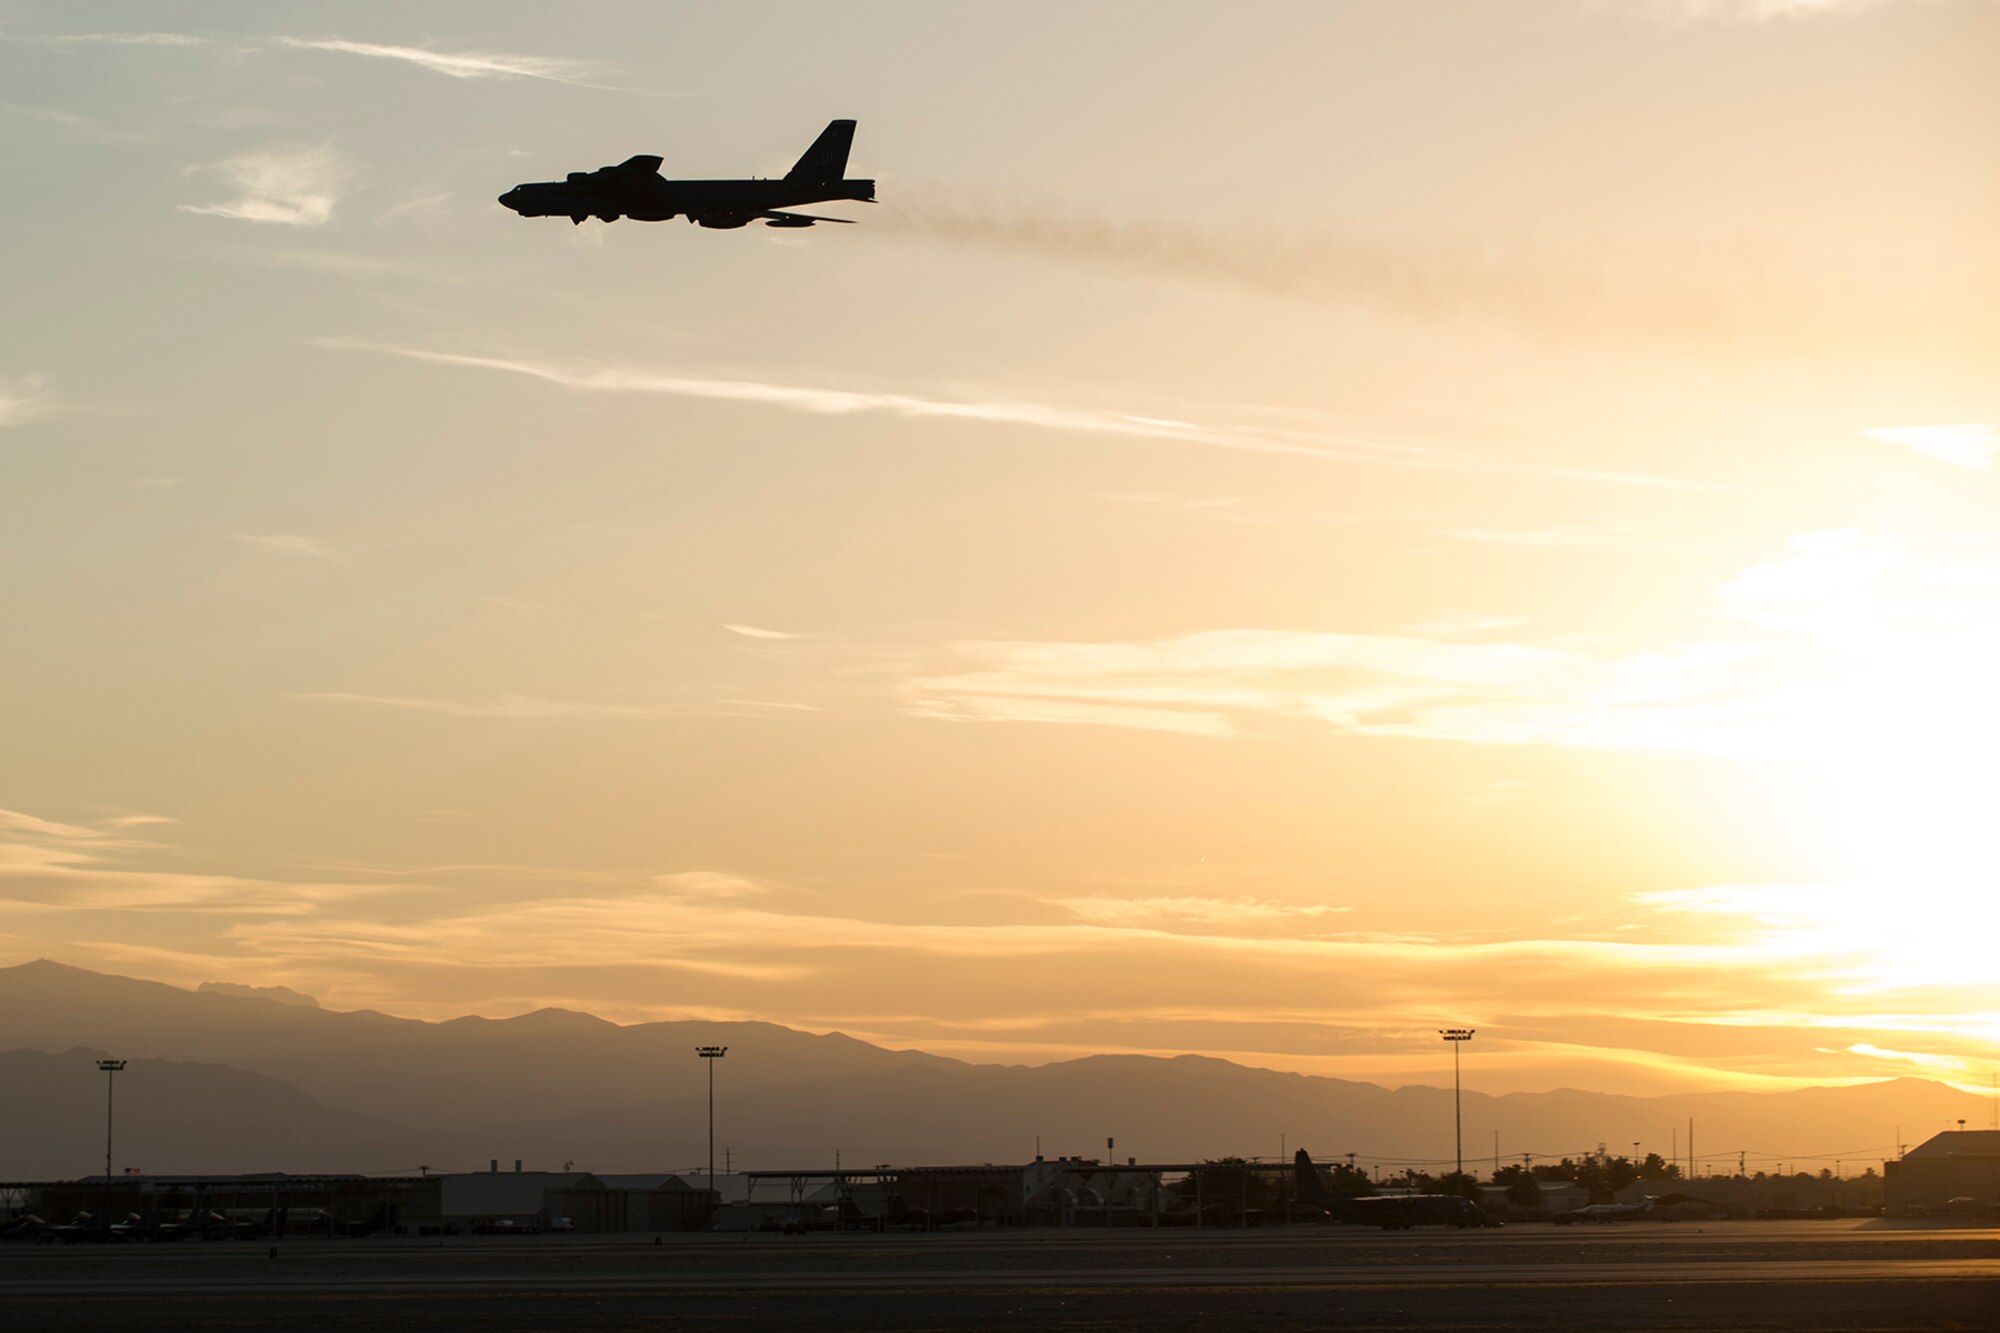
{"points": [[1847, 1275]]}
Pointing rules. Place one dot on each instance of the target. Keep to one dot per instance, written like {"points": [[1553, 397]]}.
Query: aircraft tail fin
{"points": [[826, 160], [1306, 1187]]}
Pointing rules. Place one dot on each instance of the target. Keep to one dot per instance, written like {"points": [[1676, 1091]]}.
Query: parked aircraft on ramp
{"points": [[635, 189], [1605, 1212], [1391, 1212]]}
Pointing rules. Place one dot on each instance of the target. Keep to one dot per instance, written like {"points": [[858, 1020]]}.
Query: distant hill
{"points": [[224, 1080], [282, 994], [174, 1117]]}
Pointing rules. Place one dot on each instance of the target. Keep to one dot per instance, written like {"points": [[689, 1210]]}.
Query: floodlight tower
{"points": [[1457, 1037], [110, 1067], [711, 1054]]}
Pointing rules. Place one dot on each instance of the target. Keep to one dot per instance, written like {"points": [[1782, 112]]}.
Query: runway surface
{"points": [[1850, 1275]]}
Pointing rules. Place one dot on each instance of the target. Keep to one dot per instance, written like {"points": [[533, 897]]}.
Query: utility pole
{"points": [[110, 1067], [1110, 1161], [710, 1054], [1457, 1037]]}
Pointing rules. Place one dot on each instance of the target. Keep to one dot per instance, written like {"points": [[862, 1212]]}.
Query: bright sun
{"points": [[1891, 734]]}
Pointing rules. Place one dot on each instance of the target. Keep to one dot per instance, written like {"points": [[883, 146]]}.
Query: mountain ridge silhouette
{"points": [[224, 1081]]}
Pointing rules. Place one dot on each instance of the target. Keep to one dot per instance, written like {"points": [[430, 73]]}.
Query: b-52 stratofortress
{"points": [[635, 189], [1391, 1212]]}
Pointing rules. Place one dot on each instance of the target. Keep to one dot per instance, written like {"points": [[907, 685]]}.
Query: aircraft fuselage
{"points": [[723, 203], [635, 189]]}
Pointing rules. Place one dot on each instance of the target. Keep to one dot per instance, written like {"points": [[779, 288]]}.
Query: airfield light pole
{"points": [[1457, 1037], [711, 1054], [110, 1067]]}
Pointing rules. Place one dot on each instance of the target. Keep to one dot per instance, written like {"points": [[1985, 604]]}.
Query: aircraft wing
{"points": [[778, 218]]}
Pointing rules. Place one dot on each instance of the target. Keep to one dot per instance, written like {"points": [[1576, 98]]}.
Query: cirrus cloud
{"points": [[22, 398], [292, 185], [1964, 444], [457, 64]]}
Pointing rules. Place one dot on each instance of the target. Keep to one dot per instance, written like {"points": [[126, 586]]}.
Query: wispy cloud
{"points": [[711, 885], [1382, 685], [1234, 914], [1937, 1064], [1825, 583], [297, 186], [824, 401], [107, 39], [22, 398], [529, 707], [48, 866], [827, 401], [1966, 444], [1257, 976], [1758, 11], [1829, 642], [510, 706], [138, 821], [282, 543], [957, 699], [1352, 990], [429, 203], [459, 64], [19, 821], [1870, 948], [752, 632]]}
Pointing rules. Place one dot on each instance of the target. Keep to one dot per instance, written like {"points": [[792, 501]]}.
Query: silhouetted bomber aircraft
{"points": [[1392, 1212], [635, 189]]}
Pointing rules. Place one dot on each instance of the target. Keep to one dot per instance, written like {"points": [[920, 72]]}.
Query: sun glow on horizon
{"points": [[1888, 739]]}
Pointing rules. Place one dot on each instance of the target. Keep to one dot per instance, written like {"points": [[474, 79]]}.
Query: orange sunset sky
{"points": [[1289, 526]]}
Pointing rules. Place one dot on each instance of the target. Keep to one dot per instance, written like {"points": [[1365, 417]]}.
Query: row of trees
{"points": [[1601, 1174]]}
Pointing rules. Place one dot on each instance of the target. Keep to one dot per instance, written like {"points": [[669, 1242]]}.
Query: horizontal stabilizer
{"points": [[826, 160], [778, 219]]}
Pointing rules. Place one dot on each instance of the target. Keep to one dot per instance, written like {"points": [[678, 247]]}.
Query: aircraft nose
{"points": [[512, 197]]}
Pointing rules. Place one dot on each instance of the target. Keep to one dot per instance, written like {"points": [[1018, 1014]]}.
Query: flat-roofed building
{"points": [[561, 1201], [1957, 1164]]}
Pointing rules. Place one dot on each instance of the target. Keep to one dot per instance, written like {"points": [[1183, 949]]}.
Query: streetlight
{"points": [[1457, 1036], [711, 1054], [109, 1067]]}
